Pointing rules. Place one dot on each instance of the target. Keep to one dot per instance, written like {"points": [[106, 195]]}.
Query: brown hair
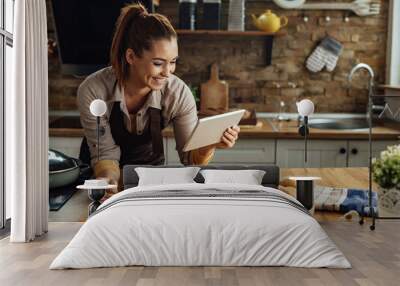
{"points": [[136, 29]]}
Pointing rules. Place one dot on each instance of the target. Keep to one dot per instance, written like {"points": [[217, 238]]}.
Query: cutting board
{"points": [[214, 96]]}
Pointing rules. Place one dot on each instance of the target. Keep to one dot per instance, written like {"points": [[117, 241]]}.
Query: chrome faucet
{"points": [[370, 84], [370, 71], [369, 113]]}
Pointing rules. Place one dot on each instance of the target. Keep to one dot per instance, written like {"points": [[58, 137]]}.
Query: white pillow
{"points": [[249, 177], [163, 176]]}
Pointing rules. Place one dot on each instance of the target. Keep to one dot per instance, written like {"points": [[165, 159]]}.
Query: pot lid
{"points": [[59, 161]]}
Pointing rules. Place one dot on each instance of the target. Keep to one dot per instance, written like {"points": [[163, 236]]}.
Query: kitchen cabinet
{"points": [[328, 153], [245, 151], [286, 153], [321, 153], [358, 151], [289, 153]]}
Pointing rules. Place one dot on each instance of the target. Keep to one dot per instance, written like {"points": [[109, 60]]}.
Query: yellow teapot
{"points": [[269, 22]]}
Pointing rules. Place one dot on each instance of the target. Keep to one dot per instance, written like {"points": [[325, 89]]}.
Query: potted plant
{"points": [[386, 173]]}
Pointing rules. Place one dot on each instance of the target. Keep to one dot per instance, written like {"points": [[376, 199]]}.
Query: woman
{"points": [[143, 96]]}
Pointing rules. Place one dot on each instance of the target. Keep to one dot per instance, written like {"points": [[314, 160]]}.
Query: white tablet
{"points": [[209, 130]]}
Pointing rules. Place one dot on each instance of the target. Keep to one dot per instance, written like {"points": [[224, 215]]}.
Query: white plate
{"points": [[83, 187], [304, 178]]}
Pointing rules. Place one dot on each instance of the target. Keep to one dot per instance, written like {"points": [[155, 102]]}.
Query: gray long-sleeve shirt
{"points": [[175, 100]]}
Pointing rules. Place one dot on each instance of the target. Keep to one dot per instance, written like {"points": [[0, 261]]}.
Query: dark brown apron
{"points": [[144, 149]]}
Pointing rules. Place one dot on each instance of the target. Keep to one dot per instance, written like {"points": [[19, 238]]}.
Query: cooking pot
{"points": [[64, 170]]}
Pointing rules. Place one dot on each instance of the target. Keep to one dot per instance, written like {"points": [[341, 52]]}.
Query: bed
{"points": [[201, 224]]}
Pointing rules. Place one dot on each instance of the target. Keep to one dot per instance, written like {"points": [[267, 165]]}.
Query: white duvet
{"points": [[200, 231]]}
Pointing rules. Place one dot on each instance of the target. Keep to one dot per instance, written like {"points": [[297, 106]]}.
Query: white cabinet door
{"points": [[245, 151], [359, 151], [170, 153], [321, 153]]}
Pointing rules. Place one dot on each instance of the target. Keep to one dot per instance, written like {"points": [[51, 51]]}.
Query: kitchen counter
{"points": [[266, 128], [274, 129]]}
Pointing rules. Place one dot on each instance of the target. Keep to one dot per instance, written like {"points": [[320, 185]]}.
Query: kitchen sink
{"points": [[338, 123]]}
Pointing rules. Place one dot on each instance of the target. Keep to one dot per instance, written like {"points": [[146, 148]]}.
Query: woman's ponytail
{"points": [[119, 43]]}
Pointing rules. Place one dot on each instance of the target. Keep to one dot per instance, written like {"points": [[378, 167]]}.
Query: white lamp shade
{"points": [[305, 107], [98, 107]]}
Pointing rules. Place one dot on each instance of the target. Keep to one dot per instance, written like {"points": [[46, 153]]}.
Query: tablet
{"points": [[209, 130]]}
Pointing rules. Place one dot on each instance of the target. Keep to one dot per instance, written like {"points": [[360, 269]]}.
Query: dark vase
{"points": [[211, 14]]}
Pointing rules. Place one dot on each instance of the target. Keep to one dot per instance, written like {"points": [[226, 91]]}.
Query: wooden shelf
{"points": [[392, 91], [386, 95], [229, 33], [385, 86]]}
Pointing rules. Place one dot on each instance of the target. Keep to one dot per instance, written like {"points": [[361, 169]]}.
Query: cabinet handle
{"points": [[342, 150], [354, 151]]}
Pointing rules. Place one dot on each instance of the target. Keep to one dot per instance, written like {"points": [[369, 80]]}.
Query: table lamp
{"points": [[98, 108], [305, 108], [305, 184]]}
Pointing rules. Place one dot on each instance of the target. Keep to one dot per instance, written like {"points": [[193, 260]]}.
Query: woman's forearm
{"points": [[107, 169], [202, 156]]}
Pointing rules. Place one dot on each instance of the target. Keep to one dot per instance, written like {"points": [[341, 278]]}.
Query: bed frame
{"points": [[270, 179]]}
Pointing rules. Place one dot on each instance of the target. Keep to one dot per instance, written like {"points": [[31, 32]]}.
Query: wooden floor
{"points": [[74, 210], [375, 257]]}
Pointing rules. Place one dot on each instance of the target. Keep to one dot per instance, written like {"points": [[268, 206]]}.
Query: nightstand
{"points": [[305, 191]]}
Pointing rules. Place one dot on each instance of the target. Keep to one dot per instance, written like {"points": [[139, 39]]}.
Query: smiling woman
{"points": [[143, 96]]}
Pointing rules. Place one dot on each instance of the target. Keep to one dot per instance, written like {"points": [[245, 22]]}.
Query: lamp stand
{"points": [[305, 185], [96, 195], [305, 140], [98, 137], [371, 207]]}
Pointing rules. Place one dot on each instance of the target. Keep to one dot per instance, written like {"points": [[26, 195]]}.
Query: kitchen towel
{"points": [[325, 54]]}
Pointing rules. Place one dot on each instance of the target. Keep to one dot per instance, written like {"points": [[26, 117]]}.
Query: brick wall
{"points": [[242, 60]]}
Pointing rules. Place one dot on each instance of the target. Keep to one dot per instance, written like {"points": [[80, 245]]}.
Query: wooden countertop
{"points": [[288, 130], [66, 132], [272, 129]]}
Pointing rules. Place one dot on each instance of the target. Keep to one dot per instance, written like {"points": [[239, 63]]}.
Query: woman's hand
{"points": [[109, 192], [229, 137], [228, 140]]}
